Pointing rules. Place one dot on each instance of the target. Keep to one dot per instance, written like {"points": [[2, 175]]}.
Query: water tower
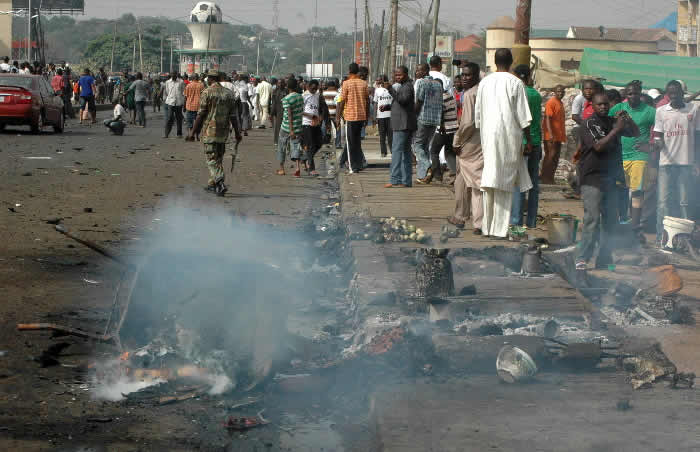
{"points": [[207, 29]]}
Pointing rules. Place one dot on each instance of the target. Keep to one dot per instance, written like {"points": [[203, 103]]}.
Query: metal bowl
{"points": [[513, 364]]}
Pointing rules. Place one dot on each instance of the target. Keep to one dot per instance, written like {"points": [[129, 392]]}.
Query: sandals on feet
{"points": [[280, 172]]}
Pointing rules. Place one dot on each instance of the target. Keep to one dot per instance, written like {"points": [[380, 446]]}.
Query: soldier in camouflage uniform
{"points": [[217, 113]]}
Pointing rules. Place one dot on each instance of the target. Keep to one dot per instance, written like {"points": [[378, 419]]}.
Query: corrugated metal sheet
{"points": [[619, 68]]}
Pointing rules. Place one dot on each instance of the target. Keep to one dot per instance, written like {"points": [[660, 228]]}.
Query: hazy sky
{"points": [[466, 15]]}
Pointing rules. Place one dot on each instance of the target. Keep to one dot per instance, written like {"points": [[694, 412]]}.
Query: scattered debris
{"points": [[245, 423], [54, 220], [49, 357], [100, 420], [90, 281], [623, 405], [651, 365], [668, 280], [88, 210], [28, 173]]}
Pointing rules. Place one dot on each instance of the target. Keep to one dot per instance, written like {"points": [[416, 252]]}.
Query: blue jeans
{"points": [[674, 184], [285, 141], [401, 162], [420, 147], [599, 222], [533, 195]]}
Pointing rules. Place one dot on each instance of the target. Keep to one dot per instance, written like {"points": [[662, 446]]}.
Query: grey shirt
{"points": [[403, 113], [140, 89]]}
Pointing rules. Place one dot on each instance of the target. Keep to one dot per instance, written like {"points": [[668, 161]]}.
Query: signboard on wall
{"points": [[52, 6], [444, 47]]}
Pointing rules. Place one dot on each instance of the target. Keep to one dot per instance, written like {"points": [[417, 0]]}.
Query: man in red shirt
{"points": [[57, 82]]}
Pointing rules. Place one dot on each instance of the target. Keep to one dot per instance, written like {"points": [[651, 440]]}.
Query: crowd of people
{"points": [[491, 137]]}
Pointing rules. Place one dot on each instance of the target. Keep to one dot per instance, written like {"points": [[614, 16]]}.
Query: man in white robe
{"points": [[502, 115]]}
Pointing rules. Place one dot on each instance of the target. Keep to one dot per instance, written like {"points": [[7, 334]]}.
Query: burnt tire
{"points": [[37, 124], [58, 128]]}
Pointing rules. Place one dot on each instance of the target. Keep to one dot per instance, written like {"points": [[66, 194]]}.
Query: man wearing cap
{"points": [[217, 113]]}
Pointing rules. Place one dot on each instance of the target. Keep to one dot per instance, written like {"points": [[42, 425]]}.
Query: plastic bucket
{"points": [[675, 226], [561, 230]]}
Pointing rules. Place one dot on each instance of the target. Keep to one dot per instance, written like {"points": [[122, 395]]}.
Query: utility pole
{"points": [[354, 36], [433, 35], [161, 54], [313, 36], [29, 32], [378, 58], [393, 34], [133, 58], [365, 41], [140, 49], [521, 48], [171, 54], [323, 62], [114, 41], [340, 69], [257, 60]]}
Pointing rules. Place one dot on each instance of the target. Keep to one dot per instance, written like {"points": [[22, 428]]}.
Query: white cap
{"points": [[685, 87], [654, 93]]}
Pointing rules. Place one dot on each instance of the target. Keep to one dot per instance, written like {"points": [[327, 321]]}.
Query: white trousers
{"points": [[496, 212]]}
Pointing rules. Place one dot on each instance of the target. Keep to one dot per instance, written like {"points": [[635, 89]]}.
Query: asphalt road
{"points": [[112, 190]]}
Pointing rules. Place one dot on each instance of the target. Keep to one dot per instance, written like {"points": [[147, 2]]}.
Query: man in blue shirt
{"points": [[87, 94]]}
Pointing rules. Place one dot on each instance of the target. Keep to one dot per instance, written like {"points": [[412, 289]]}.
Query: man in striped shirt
{"points": [[329, 95], [290, 130]]}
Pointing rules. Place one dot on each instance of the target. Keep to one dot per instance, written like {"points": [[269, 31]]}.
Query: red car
{"points": [[29, 100]]}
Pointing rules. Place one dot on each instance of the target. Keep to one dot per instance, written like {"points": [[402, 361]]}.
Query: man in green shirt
{"points": [[532, 143], [635, 150], [290, 130], [217, 113]]}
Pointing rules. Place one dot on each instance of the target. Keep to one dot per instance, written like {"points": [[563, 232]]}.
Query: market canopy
{"points": [[619, 68]]}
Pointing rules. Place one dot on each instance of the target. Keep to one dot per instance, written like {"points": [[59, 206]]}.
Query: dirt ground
{"points": [[114, 191], [110, 190]]}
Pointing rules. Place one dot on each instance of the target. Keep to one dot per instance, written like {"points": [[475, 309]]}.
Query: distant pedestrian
{"points": [[554, 126], [264, 90], [444, 136], [291, 128], [193, 92], [533, 157], [403, 126], [140, 90], [156, 94], [470, 157], [116, 124], [383, 101], [87, 95], [311, 125], [330, 95], [276, 111], [353, 108], [635, 152], [429, 109], [217, 115], [67, 93], [503, 117], [677, 136], [600, 170], [174, 96], [246, 106]]}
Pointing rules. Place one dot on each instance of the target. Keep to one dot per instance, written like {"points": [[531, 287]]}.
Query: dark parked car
{"points": [[29, 100]]}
